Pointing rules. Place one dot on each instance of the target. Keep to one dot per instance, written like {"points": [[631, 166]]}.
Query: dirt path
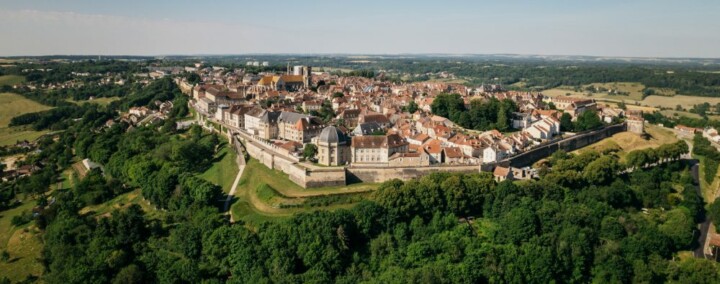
{"points": [[234, 187]]}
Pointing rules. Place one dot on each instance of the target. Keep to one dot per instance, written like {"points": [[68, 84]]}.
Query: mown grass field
{"points": [[671, 102], [223, 170], [626, 142], [12, 105], [10, 135], [10, 80], [633, 89]]}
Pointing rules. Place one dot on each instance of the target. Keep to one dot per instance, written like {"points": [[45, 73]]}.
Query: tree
{"points": [[601, 170], [193, 78], [588, 120], [502, 120], [412, 107], [338, 95], [637, 159], [714, 213], [129, 274], [566, 123], [309, 151]]}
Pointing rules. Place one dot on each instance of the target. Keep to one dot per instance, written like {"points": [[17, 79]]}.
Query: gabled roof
{"points": [[453, 152]]}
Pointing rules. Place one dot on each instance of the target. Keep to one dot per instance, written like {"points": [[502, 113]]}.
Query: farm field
{"points": [[634, 89], [665, 99], [671, 102]]}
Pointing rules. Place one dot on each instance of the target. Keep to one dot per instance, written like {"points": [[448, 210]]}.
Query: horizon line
{"points": [[365, 54]]}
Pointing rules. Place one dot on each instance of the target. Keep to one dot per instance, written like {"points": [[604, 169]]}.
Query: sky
{"points": [[635, 28]]}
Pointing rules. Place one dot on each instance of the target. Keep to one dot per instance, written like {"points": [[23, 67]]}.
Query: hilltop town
{"points": [[317, 119]]}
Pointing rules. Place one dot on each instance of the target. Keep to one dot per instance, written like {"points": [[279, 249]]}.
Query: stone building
{"points": [[635, 123], [333, 147], [376, 149], [298, 127]]}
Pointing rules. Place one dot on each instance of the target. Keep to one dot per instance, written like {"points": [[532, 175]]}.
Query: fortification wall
{"points": [[568, 144], [371, 174]]}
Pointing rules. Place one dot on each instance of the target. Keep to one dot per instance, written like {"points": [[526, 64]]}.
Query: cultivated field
{"points": [[685, 101], [664, 99], [634, 89]]}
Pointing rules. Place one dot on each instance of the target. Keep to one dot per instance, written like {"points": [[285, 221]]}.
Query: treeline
{"points": [[710, 154], [60, 117], [62, 72], [482, 114], [646, 157], [688, 80]]}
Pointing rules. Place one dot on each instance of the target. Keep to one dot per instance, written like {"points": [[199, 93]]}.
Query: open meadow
{"points": [[12, 105], [9, 80]]}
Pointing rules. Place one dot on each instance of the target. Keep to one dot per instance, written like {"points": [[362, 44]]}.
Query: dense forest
{"points": [[580, 222]]}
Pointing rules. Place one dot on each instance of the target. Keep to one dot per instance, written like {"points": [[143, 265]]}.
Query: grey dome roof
{"points": [[332, 134]]}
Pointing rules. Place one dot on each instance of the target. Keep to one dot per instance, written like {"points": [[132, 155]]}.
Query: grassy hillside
{"points": [[23, 243], [10, 80], [12, 105], [223, 170], [265, 194], [626, 141]]}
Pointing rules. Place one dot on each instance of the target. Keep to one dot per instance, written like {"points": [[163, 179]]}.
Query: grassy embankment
{"points": [[625, 142], [264, 194]]}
